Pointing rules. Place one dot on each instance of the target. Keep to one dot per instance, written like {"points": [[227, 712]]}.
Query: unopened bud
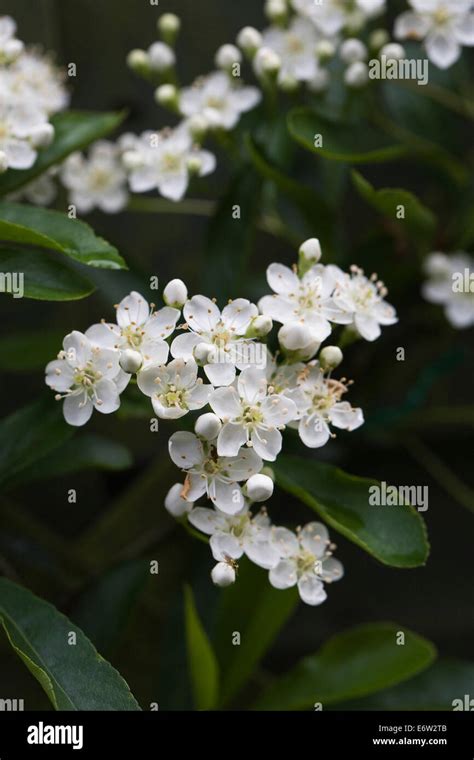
{"points": [[161, 57], [266, 62], [139, 62], [392, 51], [259, 487], [259, 327], [276, 10], [249, 39], [201, 352], [12, 50], [168, 26], [352, 50], [208, 426], [175, 294], [167, 95], [310, 251], [227, 56], [197, 127], [378, 39], [330, 357], [42, 135], [325, 50], [356, 75], [223, 574], [130, 360]]}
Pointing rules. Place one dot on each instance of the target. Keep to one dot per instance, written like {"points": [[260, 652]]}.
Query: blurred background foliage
{"points": [[91, 559]]}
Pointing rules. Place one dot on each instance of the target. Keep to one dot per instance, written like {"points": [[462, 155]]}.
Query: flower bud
{"points": [[201, 352], [259, 487], [352, 50], [167, 95], [197, 127], [3, 162], [276, 10], [12, 49], [42, 135], [175, 294], [259, 327], [325, 50], [208, 426], [130, 360], [249, 39], [310, 251], [194, 165], [266, 63], [161, 57], [392, 51], [227, 56], [139, 62], [320, 81], [168, 26], [356, 75], [294, 336], [378, 39], [330, 357], [223, 574], [174, 502]]}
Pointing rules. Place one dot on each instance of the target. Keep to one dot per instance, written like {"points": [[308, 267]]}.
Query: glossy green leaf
{"points": [[203, 665], [30, 434], [24, 226], [74, 676], [395, 536], [418, 218], [355, 663], [258, 612], [74, 130], [27, 351], [353, 144], [41, 276], [442, 686]]}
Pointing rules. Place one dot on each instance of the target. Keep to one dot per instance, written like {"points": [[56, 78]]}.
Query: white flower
{"points": [[363, 299], [296, 48], [161, 161], [98, 181], [306, 561], [352, 50], [36, 80], [259, 487], [19, 124], [220, 100], [87, 377], [10, 47], [161, 57], [252, 415], [226, 56], [331, 16], [220, 337], [444, 25], [174, 389], [319, 405], [440, 288], [306, 300], [138, 329], [249, 39], [233, 536], [207, 473]]}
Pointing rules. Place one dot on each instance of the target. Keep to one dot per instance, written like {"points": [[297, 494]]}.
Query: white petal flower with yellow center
{"points": [[296, 47], [139, 329], [164, 160], [330, 17], [306, 301], [87, 377], [96, 181], [217, 338], [23, 129], [174, 389], [252, 415], [236, 535], [363, 300], [218, 99], [208, 473], [319, 405], [305, 560], [35, 79], [444, 26]]}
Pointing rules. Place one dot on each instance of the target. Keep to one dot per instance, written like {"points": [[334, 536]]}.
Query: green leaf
{"points": [[104, 609], [29, 434], [43, 277], [258, 611], [74, 677], [353, 144], [74, 130], [26, 226], [419, 219], [202, 661], [360, 661], [312, 205], [434, 689], [27, 351], [395, 536], [84, 452]]}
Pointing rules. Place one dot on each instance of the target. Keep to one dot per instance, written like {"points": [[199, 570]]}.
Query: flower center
{"points": [[133, 335], [99, 179], [441, 15], [294, 44], [251, 416], [305, 562], [174, 397], [87, 377], [171, 162]]}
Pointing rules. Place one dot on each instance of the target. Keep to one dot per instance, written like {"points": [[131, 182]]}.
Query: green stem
{"points": [[441, 473]]}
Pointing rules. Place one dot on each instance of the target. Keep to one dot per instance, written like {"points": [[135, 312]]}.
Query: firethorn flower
{"points": [[174, 389], [208, 473], [87, 377], [10, 47], [219, 100], [34, 79], [138, 329], [306, 561], [332, 16], [21, 124], [295, 47], [441, 288], [252, 415], [363, 300], [98, 181]]}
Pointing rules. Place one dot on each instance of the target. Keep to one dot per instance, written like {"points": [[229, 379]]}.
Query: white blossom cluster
{"points": [[451, 283], [31, 91], [189, 355]]}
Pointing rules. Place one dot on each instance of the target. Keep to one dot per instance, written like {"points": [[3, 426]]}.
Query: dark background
{"points": [[115, 514]]}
